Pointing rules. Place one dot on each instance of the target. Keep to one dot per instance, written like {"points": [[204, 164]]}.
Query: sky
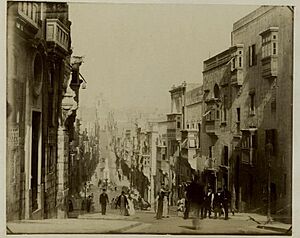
{"points": [[134, 53]]}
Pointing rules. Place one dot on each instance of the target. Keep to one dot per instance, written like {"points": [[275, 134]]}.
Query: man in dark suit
{"points": [[103, 199]]}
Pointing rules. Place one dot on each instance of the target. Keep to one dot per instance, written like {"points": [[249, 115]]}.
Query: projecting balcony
{"points": [[27, 17], [58, 34], [210, 129], [269, 66], [237, 78]]}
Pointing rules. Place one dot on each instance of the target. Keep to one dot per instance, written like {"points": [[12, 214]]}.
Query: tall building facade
{"points": [[40, 103], [248, 112]]}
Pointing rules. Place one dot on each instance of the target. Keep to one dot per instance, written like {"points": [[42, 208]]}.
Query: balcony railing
{"points": [[29, 11], [57, 33]]}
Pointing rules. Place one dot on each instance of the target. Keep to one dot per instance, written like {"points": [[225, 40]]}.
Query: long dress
{"points": [[131, 210], [165, 205], [122, 202], [159, 206]]}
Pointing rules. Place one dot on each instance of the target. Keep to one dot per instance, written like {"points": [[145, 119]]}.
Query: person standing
{"points": [[217, 203], [131, 210], [166, 202], [187, 198], [89, 203], [160, 205], [208, 203], [122, 203], [226, 200], [103, 201]]}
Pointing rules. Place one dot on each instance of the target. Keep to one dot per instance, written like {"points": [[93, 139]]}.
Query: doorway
{"points": [[36, 116]]}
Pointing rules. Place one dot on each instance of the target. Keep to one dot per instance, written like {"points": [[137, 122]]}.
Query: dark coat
{"points": [[103, 199], [195, 193], [118, 203]]}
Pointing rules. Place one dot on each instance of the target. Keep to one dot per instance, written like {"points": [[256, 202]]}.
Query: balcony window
{"points": [[58, 33], [269, 42], [28, 10]]}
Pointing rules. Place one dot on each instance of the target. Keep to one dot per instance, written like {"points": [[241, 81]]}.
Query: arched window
{"points": [[216, 91]]}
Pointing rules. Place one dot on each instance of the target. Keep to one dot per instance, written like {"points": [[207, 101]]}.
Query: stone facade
{"points": [[38, 66], [267, 36], [247, 92]]}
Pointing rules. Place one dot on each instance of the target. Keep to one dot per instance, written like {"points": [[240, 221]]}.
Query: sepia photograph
{"points": [[151, 118]]}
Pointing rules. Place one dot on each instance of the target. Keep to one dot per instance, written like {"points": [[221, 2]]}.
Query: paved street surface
{"points": [[141, 222]]}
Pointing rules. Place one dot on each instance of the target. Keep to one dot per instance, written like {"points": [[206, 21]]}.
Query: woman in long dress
{"points": [[131, 210], [160, 205], [165, 204]]}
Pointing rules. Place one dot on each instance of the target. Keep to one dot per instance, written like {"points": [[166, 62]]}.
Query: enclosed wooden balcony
{"points": [[269, 66], [58, 34]]}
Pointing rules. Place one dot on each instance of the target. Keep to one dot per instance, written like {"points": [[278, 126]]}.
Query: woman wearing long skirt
{"points": [[160, 205], [165, 205], [131, 210]]}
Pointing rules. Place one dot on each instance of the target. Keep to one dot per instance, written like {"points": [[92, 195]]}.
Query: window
{"points": [[178, 124], [216, 91], [252, 55], [187, 126], [226, 155], [252, 104], [271, 136], [269, 42], [224, 109], [274, 48], [240, 61], [218, 114], [238, 114], [192, 143], [210, 152]]}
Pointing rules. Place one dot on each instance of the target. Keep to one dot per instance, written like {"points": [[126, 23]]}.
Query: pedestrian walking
{"points": [[103, 199], [122, 203], [217, 203], [226, 200]]}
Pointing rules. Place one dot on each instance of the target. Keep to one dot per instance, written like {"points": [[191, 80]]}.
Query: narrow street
{"points": [[173, 110]]}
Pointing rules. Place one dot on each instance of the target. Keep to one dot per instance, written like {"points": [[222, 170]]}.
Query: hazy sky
{"points": [[134, 53]]}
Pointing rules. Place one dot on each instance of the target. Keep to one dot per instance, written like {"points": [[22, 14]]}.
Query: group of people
{"points": [[123, 202], [162, 203], [204, 203]]}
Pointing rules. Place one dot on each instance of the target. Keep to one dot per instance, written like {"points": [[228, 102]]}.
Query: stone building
{"points": [[39, 103], [248, 111]]}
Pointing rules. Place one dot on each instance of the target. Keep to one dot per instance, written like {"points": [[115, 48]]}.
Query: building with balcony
{"points": [[247, 93], [262, 108], [40, 103]]}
